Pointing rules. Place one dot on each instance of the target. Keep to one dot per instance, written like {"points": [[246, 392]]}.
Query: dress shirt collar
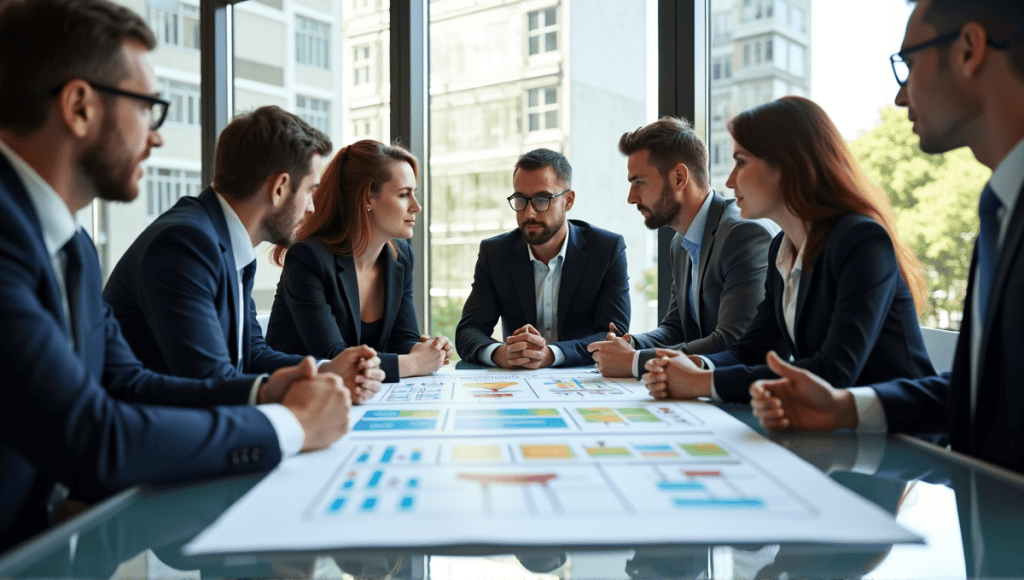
{"points": [[560, 254], [695, 233], [241, 243], [59, 225], [790, 259], [1008, 177]]}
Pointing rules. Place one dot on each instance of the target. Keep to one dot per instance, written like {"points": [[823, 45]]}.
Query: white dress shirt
{"points": [[547, 280], [290, 434]]}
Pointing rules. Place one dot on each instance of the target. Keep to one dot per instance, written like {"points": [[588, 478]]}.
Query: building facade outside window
{"points": [[316, 112], [361, 65], [184, 99], [175, 24], [542, 108], [312, 43], [164, 187], [542, 31]]}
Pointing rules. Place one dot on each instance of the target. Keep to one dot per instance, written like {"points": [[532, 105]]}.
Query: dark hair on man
{"points": [[262, 143], [670, 141], [1003, 20], [541, 158], [46, 43]]}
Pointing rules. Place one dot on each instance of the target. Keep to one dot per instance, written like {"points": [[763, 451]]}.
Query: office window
{"points": [[489, 105], [362, 129], [756, 10], [175, 24], [312, 42], [543, 30], [164, 187], [316, 112], [361, 65], [184, 99], [721, 68], [721, 27], [542, 108]]}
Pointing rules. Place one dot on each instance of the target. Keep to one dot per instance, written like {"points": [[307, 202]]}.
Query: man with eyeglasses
{"points": [[555, 283], [719, 260], [961, 77], [80, 414]]}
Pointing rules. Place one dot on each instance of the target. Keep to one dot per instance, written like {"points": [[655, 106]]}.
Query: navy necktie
{"points": [[73, 285], [691, 293], [988, 241], [248, 277]]}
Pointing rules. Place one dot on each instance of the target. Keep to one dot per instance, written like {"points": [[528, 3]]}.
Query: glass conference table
{"points": [[970, 514]]}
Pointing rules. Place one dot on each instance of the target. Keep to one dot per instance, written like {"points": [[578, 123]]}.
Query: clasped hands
{"points": [[613, 356], [426, 356], [524, 349], [676, 375]]}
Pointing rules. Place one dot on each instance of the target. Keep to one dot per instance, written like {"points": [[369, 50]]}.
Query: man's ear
{"points": [[679, 176], [280, 185], [970, 49], [78, 108], [570, 198]]}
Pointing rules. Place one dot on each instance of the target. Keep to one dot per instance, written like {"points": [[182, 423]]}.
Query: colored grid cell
{"points": [[476, 453], [656, 450], [395, 425], [600, 415], [556, 451], [639, 415], [336, 505], [369, 504], [704, 449], [511, 423], [389, 453], [609, 452], [406, 504], [508, 413], [680, 486], [375, 479]]}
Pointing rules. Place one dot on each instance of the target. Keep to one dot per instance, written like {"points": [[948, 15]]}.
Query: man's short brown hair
{"points": [[670, 140], [46, 43], [261, 143]]}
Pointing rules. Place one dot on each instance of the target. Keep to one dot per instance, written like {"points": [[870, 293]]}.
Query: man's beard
{"points": [[109, 168], [664, 211], [537, 238], [279, 227]]}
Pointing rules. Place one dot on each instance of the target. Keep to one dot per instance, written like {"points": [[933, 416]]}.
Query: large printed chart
{"points": [[564, 459]]}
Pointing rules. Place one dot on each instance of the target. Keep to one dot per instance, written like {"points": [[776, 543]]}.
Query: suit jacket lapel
{"points": [[572, 270], [209, 201], [19, 194], [349, 285], [801, 299], [521, 269], [1008, 251], [714, 217]]}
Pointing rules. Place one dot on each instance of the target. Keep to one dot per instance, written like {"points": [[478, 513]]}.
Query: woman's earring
{"points": [[367, 209]]}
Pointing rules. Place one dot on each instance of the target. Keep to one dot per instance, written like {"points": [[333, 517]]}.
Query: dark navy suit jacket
{"points": [[175, 293], [943, 403], [316, 310], [594, 291], [855, 318], [95, 419]]}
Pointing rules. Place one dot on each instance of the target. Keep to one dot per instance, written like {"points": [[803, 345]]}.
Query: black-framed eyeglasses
{"points": [[158, 107], [900, 67], [540, 202]]}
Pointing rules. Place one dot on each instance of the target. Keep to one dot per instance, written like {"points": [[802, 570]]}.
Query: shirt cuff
{"points": [[636, 364], [559, 355], [290, 435], [870, 413], [486, 353], [321, 363], [711, 367], [254, 393], [870, 449]]}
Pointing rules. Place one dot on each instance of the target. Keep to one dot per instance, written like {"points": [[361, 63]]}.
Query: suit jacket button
{"points": [[255, 454]]}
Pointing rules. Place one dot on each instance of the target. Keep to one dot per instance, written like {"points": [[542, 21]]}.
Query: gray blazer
{"points": [[731, 273]]}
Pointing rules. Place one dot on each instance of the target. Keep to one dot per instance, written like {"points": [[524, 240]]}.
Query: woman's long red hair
{"points": [[820, 179], [339, 219]]}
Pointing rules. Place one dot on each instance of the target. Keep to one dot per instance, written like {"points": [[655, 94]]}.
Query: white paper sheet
{"points": [[567, 459]]}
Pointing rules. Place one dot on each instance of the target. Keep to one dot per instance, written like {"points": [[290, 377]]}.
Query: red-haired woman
{"points": [[348, 280], [841, 289]]}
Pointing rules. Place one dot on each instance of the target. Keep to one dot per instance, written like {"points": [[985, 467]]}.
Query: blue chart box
{"points": [[394, 424], [512, 423]]}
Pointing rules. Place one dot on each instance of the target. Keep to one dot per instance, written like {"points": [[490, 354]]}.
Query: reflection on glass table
{"points": [[969, 518]]}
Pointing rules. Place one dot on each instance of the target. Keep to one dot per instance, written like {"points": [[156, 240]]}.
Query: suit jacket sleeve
{"points": [[866, 277], [915, 405], [58, 417], [613, 305], [182, 277], [480, 313], [744, 265], [670, 331]]}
